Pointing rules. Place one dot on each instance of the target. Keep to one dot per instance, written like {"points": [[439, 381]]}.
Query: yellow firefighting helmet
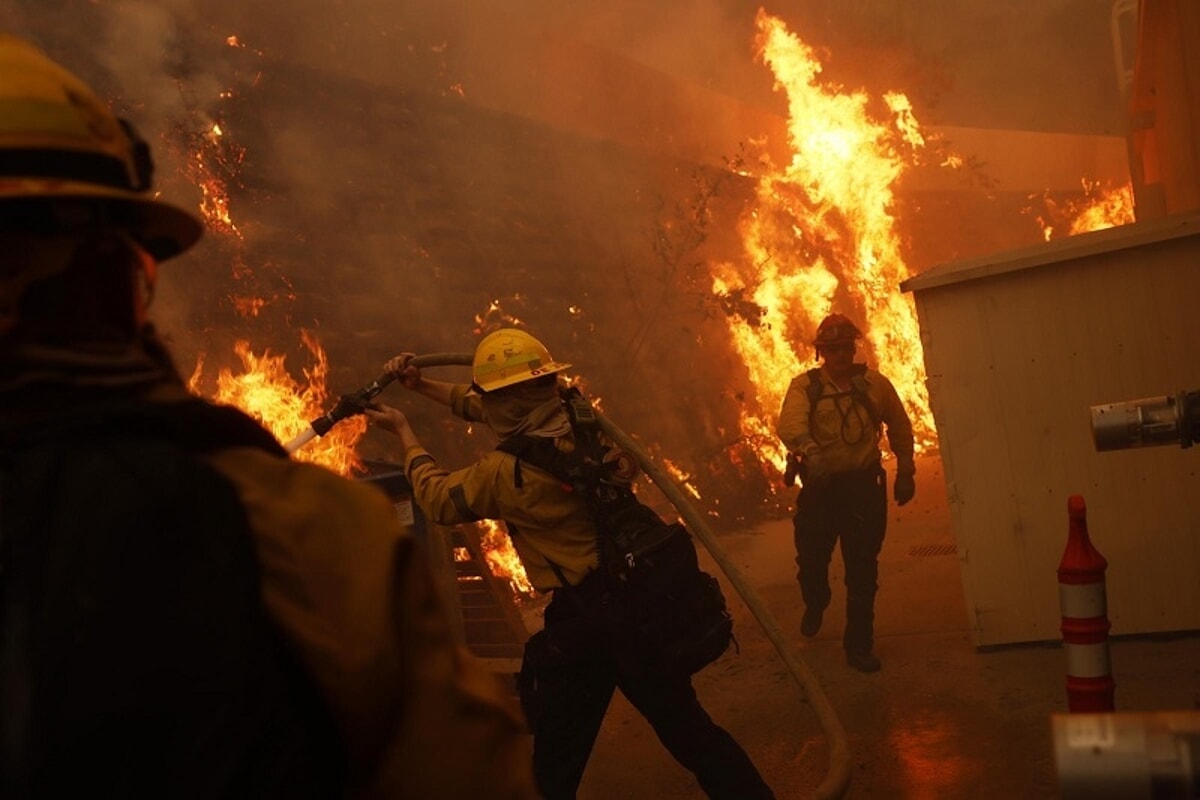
{"points": [[509, 356], [836, 329], [59, 142]]}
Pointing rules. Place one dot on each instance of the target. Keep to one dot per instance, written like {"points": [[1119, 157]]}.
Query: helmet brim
{"points": [[165, 230], [502, 378]]}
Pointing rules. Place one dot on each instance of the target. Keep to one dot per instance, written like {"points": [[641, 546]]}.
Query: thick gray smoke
{"points": [[395, 170]]}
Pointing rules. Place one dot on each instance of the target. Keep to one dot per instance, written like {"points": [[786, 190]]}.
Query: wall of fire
{"points": [[399, 176], [409, 229]]}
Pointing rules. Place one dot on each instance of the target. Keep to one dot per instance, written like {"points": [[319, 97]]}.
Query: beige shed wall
{"points": [[1017, 349]]}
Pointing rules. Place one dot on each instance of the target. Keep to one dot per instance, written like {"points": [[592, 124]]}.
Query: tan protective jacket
{"points": [[546, 522], [842, 428]]}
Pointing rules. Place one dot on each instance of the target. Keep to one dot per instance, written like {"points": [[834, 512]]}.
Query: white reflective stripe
{"points": [[1083, 600], [1087, 660]]}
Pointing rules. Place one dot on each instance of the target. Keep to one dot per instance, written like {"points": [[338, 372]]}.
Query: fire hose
{"points": [[348, 405], [837, 777]]}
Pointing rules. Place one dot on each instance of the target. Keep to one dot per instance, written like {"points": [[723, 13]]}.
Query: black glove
{"points": [[791, 470], [815, 470], [904, 488]]}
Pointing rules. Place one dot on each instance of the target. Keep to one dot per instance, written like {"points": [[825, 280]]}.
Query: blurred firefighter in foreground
{"points": [[831, 423], [583, 654], [185, 612]]}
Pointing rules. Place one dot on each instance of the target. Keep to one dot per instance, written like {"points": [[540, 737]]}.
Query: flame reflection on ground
{"points": [[929, 755]]}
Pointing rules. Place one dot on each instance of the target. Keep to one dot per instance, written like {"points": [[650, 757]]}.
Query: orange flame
{"points": [[1100, 207], [496, 317], [266, 391], [822, 237], [502, 558], [681, 477]]}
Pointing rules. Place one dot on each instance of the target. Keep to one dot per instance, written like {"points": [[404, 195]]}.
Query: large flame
{"points": [[822, 237], [266, 391]]}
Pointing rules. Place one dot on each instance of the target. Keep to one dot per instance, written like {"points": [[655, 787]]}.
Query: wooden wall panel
{"points": [[1015, 359]]}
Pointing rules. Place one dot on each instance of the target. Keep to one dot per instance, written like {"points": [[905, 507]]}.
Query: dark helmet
{"points": [[836, 329]]}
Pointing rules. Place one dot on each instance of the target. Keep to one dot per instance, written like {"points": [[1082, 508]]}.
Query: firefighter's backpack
{"points": [[660, 609], [136, 657]]}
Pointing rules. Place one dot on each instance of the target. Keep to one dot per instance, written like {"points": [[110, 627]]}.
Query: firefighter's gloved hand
{"points": [[904, 487], [402, 369], [815, 467], [791, 470]]}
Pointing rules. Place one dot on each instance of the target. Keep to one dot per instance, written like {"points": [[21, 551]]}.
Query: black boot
{"points": [[863, 660], [810, 626]]}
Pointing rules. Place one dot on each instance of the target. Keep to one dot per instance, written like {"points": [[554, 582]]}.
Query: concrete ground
{"points": [[941, 720]]}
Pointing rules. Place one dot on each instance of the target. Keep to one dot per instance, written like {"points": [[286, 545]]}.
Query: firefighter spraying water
{"points": [[838, 772], [186, 611], [352, 404]]}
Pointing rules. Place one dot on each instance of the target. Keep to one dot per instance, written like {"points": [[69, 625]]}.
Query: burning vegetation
{"points": [[1098, 207], [822, 235], [817, 231]]}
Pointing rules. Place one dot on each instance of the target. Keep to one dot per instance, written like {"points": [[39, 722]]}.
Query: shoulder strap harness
{"points": [[858, 391]]}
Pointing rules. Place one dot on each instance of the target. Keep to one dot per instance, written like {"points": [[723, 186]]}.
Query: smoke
{"points": [[394, 170]]}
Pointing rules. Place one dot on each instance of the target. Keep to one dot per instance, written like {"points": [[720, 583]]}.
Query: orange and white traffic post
{"points": [[1085, 624]]}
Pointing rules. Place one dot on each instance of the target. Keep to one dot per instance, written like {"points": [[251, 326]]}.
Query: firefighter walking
{"points": [[831, 421]]}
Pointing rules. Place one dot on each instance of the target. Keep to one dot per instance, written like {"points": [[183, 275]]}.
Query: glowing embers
{"points": [[213, 164]]}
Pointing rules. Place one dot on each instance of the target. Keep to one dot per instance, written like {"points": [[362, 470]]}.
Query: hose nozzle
{"points": [[1150, 421]]}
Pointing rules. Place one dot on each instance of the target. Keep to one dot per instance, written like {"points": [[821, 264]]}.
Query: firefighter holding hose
{"points": [[568, 676]]}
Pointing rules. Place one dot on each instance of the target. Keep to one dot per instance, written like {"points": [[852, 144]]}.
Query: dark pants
{"points": [[567, 681], [849, 507]]}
